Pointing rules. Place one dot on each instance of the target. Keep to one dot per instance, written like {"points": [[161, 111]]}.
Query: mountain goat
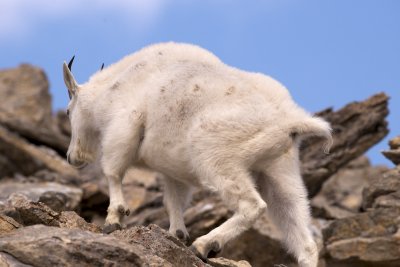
{"points": [[177, 109]]}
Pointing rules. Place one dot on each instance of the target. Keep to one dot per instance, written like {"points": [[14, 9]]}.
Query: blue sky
{"points": [[327, 53]]}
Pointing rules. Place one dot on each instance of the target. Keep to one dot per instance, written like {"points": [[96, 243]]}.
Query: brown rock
{"points": [[381, 185], [26, 106], [63, 123], [394, 153], [222, 262], [395, 142], [367, 237], [44, 246], [7, 224], [159, 242], [32, 213], [341, 195], [25, 96], [18, 155], [356, 128]]}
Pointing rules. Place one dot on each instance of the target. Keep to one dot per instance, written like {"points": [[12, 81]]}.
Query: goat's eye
{"points": [[67, 112]]}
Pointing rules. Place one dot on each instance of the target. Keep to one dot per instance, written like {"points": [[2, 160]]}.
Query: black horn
{"points": [[70, 62], [102, 66]]}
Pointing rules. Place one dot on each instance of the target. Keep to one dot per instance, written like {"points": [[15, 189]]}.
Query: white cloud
{"points": [[20, 17]]}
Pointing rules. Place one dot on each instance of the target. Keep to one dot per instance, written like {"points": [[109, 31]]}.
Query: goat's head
{"points": [[83, 146]]}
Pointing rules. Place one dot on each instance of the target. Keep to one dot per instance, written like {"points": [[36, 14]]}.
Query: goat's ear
{"points": [[69, 81]]}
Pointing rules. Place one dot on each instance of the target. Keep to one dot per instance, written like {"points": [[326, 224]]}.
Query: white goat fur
{"points": [[177, 109]]}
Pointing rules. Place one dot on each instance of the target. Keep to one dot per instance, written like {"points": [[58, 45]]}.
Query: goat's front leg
{"points": [[119, 149]]}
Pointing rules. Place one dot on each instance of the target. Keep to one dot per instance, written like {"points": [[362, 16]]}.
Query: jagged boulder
{"points": [[26, 107], [356, 127], [383, 190], [370, 238], [42, 246], [341, 195], [25, 95]]}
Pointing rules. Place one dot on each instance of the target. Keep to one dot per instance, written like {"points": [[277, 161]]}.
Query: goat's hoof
{"points": [[210, 250], [213, 249], [123, 211], [109, 228], [181, 235], [197, 253]]}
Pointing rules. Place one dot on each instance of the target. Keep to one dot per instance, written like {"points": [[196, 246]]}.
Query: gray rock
{"points": [[9, 261]]}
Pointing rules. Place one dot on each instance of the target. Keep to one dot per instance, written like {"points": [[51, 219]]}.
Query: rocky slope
{"points": [[51, 214]]}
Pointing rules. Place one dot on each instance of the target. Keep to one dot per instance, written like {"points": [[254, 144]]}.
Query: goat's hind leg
{"points": [[237, 190], [176, 197], [283, 188]]}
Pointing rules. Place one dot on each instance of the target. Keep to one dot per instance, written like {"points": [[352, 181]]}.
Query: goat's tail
{"points": [[314, 126]]}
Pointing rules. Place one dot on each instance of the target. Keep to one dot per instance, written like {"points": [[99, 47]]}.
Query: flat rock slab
{"points": [[372, 237], [46, 246], [57, 196]]}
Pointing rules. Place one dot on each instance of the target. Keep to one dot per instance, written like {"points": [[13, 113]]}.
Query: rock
{"points": [[17, 155], [63, 123], [32, 213], [380, 186], [158, 242], [25, 96], [26, 106], [341, 195], [222, 262], [395, 142], [394, 153], [8, 224], [58, 197], [44, 246], [371, 237], [356, 128], [9, 261]]}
